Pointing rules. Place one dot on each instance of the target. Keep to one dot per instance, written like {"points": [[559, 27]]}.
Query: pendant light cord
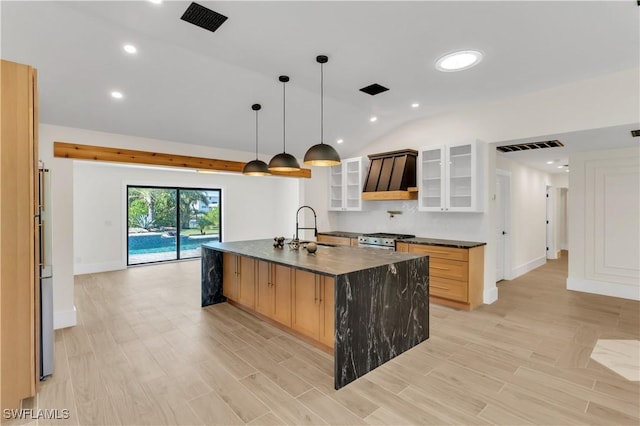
{"points": [[284, 117], [321, 103], [256, 135]]}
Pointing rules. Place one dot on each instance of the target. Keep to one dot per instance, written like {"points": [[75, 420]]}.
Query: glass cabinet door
{"points": [[431, 183], [353, 185], [345, 185], [460, 179], [336, 188]]}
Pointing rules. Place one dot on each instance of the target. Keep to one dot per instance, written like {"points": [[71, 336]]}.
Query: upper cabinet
{"points": [[345, 185], [449, 178]]}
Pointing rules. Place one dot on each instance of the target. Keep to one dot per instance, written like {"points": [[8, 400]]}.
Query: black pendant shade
{"points": [[256, 167], [284, 162], [321, 154]]}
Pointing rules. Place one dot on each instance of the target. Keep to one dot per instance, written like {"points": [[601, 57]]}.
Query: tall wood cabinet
{"points": [[19, 276]]}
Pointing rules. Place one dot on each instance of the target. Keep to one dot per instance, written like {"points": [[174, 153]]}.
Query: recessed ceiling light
{"points": [[117, 95], [130, 48], [415, 105], [560, 167], [156, 1], [458, 61], [550, 162], [340, 141], [373, 119], [567, 170]]}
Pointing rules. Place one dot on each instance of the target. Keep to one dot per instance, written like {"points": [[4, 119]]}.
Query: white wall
{"points": [[604, 224], [88, 204], [528, 215], [252, 208], [606, 101]]}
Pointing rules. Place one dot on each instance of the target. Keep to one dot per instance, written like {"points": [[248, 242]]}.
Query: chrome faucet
{"points": [[315, 222]]}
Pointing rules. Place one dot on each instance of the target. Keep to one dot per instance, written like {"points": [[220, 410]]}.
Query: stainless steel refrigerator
{"points": [[47, 337]]}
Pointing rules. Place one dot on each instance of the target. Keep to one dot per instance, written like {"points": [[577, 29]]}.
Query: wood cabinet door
{"points": [[332, 239], [281, 293], [264, 288], [230, 276], [246, 282], [327, 311], [305, 310]]}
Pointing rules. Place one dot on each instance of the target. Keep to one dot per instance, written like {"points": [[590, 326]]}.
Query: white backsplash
{"points": [[452, 226]]}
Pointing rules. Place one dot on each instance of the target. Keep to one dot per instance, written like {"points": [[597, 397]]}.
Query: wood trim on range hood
{"points": [[117, 155], [391, 175]]}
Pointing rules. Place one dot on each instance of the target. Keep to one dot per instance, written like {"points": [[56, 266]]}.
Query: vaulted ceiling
{"points": [[190, 85]]}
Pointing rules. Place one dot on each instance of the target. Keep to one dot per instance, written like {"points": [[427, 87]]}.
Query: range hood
{"points": [[392, 176]]}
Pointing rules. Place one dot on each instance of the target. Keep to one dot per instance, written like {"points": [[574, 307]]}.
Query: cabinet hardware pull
{"points": [[438, 267], [315, 290], [436, 286]]}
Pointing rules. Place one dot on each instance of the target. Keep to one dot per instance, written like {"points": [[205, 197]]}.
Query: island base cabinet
{"points": [[230, 276], [312, 306], [238, 282], [273, 292], [327, 311]]}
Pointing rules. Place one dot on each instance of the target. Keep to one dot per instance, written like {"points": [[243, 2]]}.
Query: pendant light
{"points": [[284, 162], [256, 167], [322, 154]]}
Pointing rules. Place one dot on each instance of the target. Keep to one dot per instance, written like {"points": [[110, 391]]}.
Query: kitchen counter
{"points": [[332, 261], [343, 234], [442, 243], [381, 298]]}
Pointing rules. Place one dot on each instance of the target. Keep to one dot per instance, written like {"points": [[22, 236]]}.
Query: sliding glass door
{"points": [[170, 223]]}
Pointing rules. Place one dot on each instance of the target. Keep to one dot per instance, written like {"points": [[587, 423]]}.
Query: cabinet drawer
{"points": [[440, 252], [448, 289], [451, 269], [330, 239]]}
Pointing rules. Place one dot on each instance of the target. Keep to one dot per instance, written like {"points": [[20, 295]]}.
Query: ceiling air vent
{"points": [[203, 17], [635, 133], [530, 145], [374, 89]]}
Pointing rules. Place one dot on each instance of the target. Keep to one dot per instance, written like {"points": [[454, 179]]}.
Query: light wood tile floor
{"points": [[144, 352]]}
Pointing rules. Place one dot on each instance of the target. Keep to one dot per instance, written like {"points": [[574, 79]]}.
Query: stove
{"points": [[381, 240]]}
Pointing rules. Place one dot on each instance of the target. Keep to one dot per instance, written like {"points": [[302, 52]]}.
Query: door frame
{"points": [[551, 249], [506, 193]]}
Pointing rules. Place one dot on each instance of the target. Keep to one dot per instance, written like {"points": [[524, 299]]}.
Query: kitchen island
{"points": [[367, 305]]}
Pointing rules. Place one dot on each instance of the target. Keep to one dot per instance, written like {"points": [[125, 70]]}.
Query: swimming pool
{"points": [[155, 242]]}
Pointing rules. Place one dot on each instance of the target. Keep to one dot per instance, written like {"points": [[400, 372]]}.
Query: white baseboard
{"points": [[93, 268], [64, 319], [625, 291], [527, 267], [490, 295]]}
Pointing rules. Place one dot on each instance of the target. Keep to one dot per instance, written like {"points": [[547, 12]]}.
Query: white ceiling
{"points": [[189, 85]]}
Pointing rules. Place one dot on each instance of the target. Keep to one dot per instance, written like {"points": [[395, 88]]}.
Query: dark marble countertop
{"points": [[331, 261], [344, 234], [442, 243]]}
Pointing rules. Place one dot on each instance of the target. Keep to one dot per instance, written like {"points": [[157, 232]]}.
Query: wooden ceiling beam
{"points": [[100, 153]]}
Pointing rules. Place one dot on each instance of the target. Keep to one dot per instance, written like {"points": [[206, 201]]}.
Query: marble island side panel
{"points": [[379, 313]]}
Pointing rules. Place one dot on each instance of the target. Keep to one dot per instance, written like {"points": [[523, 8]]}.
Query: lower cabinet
{"points": [[456, 275], [273, 292], [238, 281], [300, 300], [339, 241], [312, 310]]}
